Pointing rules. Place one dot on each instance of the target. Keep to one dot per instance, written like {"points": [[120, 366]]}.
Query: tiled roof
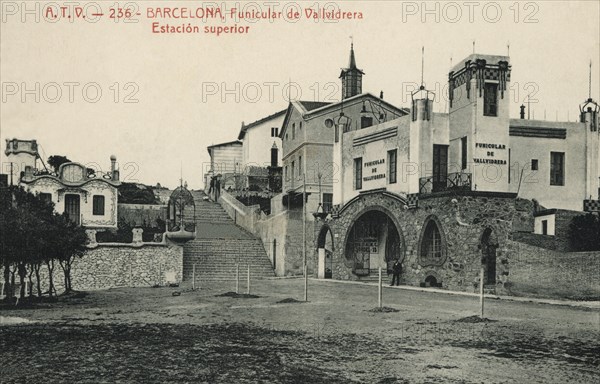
{"points": [[257, 122], [310, 105], [224, 144]]}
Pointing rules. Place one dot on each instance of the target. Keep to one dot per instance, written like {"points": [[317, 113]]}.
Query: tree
{"points": [[56, 161], [21, 219], [584, 232], [32, 234], [70, 243]]}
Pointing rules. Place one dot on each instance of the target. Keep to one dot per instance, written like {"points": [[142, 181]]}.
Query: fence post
{"points": [[194, 277], [248, 286], [481, 290], [237, 278], [380, 290]]}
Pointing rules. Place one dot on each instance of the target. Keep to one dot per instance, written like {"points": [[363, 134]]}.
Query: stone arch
{"points": [[325, 248], [373, 214], [322, 238], [432, 247], [431, 279]]}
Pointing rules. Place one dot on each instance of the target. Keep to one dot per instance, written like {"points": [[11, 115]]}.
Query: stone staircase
{"points": [[219, 245]]}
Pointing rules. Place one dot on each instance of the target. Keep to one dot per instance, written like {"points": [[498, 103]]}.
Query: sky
{"points": [[166, 97]]}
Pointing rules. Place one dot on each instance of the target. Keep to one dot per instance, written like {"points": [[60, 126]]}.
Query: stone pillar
{"points": [[137, 235], [91, 234]]}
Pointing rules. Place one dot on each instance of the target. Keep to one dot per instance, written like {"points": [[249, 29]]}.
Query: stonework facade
{"points": [[462, 221]]}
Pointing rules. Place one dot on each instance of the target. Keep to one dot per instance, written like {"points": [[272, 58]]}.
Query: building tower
{"points": [[21, 154], [428, 146], [479, 120], [351, 77], [590, 115]]}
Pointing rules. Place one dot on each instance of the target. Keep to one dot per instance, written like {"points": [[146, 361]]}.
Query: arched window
{"points": [[432, 247]]}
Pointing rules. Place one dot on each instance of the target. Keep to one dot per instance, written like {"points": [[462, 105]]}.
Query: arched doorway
{"points": [[325, 253], [373, 241], [489, 244]]}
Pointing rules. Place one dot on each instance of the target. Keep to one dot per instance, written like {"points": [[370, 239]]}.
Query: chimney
{"points": [[28, 174], [114, 174], [381, 95], [274, 155], [522, 111]]}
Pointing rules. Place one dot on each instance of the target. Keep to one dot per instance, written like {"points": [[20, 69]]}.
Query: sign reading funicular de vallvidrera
{"points": [[490, 153], [374, 175]]}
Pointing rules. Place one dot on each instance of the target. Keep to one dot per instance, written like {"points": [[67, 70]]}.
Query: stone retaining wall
{"points": [[121, 265], [545, 273]]}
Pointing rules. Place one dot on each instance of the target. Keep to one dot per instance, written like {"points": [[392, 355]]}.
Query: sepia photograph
{"points": [[346, 191]]}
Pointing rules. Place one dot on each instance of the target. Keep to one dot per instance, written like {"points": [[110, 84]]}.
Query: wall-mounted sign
{"points": [[375, 175], [490, 147]]}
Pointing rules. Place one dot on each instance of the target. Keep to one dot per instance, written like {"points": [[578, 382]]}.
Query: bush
{"points": [[584, 233]]}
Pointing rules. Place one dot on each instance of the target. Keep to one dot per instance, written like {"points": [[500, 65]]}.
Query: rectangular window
{"points": [[463, 152], [490, 99], [46, 197], [274, 132], [557, 168], [293, 131], [358, 165], [327, 202], [285, 174], [392, 165], [293, 171], [534, 164], [299, 166], [366, 121], [509, 170], [337, 133], [300, 125], [440, 167], [98, 205]]}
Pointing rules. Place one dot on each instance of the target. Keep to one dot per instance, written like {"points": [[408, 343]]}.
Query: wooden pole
{"points": [[248, 284], [380, 290], [481, 290], [193, 277], [304, 237], [237, 278]]}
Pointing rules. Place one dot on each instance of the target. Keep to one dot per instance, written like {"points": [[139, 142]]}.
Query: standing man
{"points": [[396, 270], [217, 188], [212, 185]]}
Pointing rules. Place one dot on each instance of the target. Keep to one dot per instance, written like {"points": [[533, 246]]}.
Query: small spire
{"points": [[590, 83], [352, 63], [422, 66]]}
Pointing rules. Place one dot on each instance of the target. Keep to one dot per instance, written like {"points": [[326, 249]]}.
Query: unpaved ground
{"points": [[149, 336]]}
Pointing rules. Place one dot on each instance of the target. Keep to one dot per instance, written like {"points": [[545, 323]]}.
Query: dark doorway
{"points": [[275, 254], [72, 208], [373, 241], [325, 253], [489, 244]]}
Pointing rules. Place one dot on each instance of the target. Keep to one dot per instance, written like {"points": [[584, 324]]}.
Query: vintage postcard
{"points": [[299, 191]]}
